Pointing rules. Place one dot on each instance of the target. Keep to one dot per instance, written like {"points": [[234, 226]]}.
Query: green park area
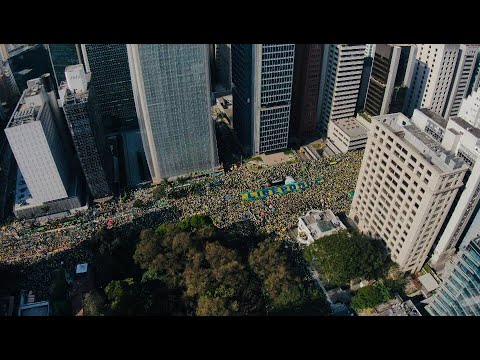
{"points": [[346, 256]]}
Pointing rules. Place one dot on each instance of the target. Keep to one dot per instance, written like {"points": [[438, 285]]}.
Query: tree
{"points": [[212, 307], [344, 256], [93, 304], [371, 296], [124, 297]]}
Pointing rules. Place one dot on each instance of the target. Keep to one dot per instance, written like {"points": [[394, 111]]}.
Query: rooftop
{"points": [[320, 223], [435, 117], [351, 127], [431, 149], [468, 127], [428, 282]]}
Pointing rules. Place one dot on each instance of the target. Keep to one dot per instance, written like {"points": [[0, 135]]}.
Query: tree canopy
{"points": [[371, 296], [344, 256]]}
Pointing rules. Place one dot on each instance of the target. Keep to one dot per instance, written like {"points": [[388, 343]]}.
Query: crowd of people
{"points": [[26, 243]]}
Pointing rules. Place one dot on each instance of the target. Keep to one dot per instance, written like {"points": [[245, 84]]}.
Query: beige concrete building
{"points": [[346, 135], [405, 188]]}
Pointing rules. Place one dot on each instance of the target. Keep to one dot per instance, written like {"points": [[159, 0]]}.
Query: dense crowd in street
{"points": [[24, 244]]}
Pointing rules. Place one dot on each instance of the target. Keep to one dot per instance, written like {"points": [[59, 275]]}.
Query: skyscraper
{"points": [[470, 109], [461, 139], [262, 76], [467, 56], [223, 65], [459, 291], [306, 89], [171, 84], [82, 117], [61, 56], [108, 64], [29, 62], [432, 77], [340, 82], [34, 139], [390, 78], [475, 79], [406, 186]]}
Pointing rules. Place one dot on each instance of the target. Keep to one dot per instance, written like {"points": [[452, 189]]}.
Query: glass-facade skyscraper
{"points": [[459, 292], [108, 64], [63, 55], [262, 75], [171, 85]]}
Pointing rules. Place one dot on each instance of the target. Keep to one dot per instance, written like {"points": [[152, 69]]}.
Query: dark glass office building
{"points": [[108, 64], [63, 55], [306, 89], [28, 63], [262, 75], [87, 134]]}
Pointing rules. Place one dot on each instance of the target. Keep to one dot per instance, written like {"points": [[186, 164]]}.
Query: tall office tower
{"points": [[432, 77], [340, 83], [171, 84], [459, 291], [464, 68], [61, 56], [29, 62], [34, 139], [81, 113], [223, 66], [262, 76], [405, 188], [475, 79], [461, 139], [306, 90], [391, 76], [364, 81], [470, 109], [108, 64], [370, 50]]}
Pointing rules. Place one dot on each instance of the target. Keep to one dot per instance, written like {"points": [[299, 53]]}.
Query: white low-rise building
{"points": [[346, 135], [470, 109], [316, 224]]}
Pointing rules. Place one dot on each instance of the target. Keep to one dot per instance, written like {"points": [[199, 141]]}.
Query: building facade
{"points": [[433, 75], [459, 292], [223, 66], [306, 90], [470, 109], [342, 69], [466, 60], [172, 94], [29, 62], [475, 80], [390, 78], [406, 186], [461, 139], [262, 75], [346, 135], [86, 129], [61, 56], [108, 64], [34, 139]]}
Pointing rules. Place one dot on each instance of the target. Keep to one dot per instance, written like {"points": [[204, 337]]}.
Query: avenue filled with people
{"points": [[25, 242]]}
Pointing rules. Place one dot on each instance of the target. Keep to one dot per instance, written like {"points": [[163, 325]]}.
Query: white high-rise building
{"points": [[340, 83], [171, 88], [461, 139], [470, 109], [432, 77], [466, 60], [406, 186], [36, 144]]}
